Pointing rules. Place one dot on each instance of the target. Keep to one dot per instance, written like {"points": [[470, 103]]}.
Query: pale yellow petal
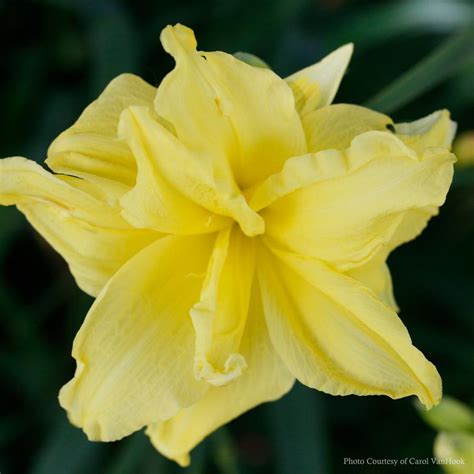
{"points": [[411, 226], [316, 86], [153, 202], [220, 315], [206, 183], [376, 275], [89, 234], [266, 379], [235, 113], [23, 180], [335, 335], [134, 351], [335, 126], [90, 148], [345, 207], [434, 130]]}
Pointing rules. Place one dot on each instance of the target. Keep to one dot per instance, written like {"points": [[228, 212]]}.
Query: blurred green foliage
{"points": [[57, 57]]}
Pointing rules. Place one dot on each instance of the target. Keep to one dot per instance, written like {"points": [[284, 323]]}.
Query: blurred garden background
{"points": [[57, 57]]}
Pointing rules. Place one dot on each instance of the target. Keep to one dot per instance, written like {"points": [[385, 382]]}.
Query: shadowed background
{"points": [[57, 57]]}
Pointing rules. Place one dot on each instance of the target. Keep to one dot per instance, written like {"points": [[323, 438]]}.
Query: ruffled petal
{"points": [[196, 176], [411, 226], [134, 351], [266, 379], [153, 202], [316, 86], [220, 315], [335, 335], [235, 113], [345, 207], [69, 213], [90, 148], [376, 275], [434, 130], [335, 126]]}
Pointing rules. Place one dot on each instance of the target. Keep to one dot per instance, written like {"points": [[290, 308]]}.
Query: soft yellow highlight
{"points": [[234, 227]]}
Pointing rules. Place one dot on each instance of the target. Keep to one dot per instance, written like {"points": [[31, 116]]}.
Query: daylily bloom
{"points": [[234, 227]]}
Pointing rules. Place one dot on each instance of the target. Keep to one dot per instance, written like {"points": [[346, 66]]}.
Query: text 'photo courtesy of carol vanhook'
{"points": [[237, 237]]}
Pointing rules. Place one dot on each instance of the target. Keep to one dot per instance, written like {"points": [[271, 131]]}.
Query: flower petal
{"points": [[335, 335], [344, 207], [220, 315], [153, 202], [90, 148], [134, 351], [376, 275], [204, 182], [411, 226], [335, 126], [316, 86], [434, 130], [89, 234], [234, 112], [266, 379]]}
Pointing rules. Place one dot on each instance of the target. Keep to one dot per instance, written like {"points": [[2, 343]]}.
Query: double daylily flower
{"points": [[234, 227]]}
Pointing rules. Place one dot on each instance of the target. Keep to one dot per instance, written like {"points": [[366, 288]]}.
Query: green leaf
{"points": [[375, 23], [438, 66], [298, 432]]}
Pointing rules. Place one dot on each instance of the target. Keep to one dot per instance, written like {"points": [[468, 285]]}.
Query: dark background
{"points": [[57, 57]]}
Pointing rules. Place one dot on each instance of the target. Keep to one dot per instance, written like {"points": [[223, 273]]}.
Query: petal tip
{"points": [[253, 226], [177, 37], [347, 49], [432, 388], [234, 367], [180, 456]]}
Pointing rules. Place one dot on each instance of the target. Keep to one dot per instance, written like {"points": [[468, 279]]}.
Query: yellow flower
{"points": [[234, 228]]}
